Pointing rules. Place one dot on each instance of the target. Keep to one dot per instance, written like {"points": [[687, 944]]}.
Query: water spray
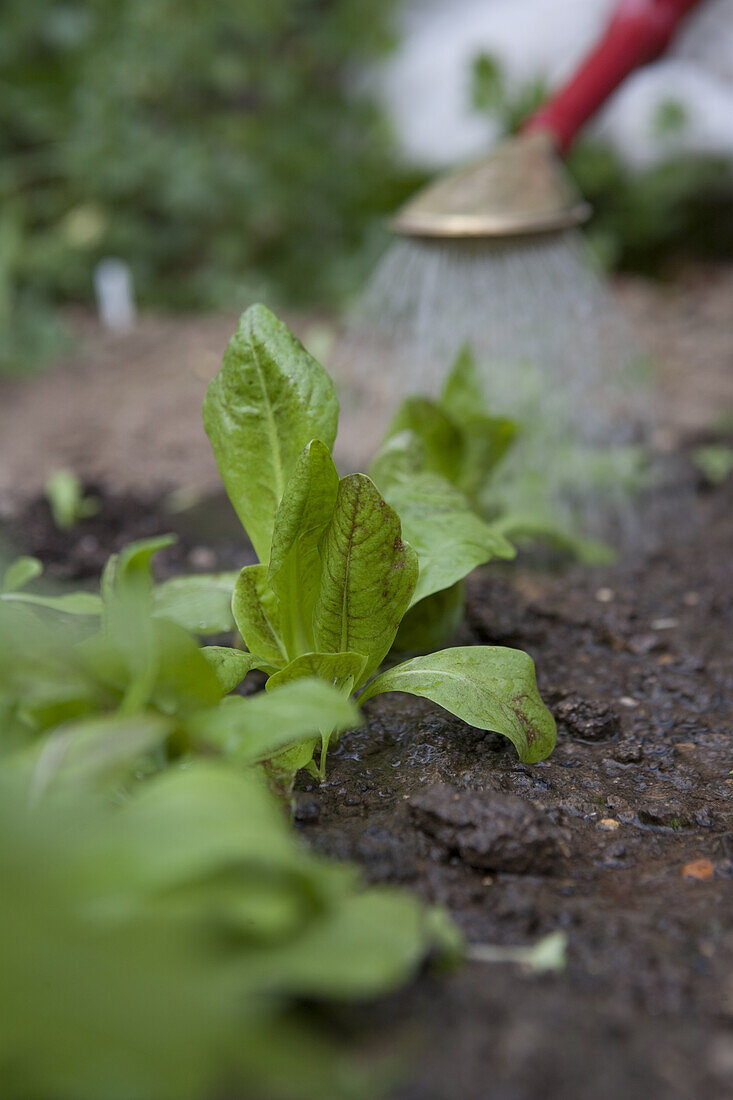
{"points": [[491, 255]]}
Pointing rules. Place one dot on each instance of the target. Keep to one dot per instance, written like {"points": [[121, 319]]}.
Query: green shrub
{"points": [[217, 148]]}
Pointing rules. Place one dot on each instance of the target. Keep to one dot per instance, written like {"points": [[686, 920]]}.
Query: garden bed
{"points": [[623, 838], [125, 409]]}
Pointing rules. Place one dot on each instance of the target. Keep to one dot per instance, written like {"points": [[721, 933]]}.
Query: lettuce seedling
{"points": [[714, 461], [335, 576], [437, 467], [461, 441], [101, 687], [455, 437], [66, 499]]}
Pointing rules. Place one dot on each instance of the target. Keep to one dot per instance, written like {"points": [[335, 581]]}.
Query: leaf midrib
{"points": [[270, 422], [347, 570]]}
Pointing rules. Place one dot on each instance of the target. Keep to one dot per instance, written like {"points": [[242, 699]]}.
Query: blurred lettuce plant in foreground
{"points": [[157, 948], [105, 685], [161, 925]]}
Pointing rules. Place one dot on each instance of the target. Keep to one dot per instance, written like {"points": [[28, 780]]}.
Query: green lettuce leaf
{"points": [[369, 575], [295, 566], [440, 437], [253, 728], [96, 748], [343, 670], [490, 687], [450, 539], [269, 399], [20, 573], [399, 457], [70, 603], [432, 622], [230, 665], [462, 396], [200, 603], [257, 616]]}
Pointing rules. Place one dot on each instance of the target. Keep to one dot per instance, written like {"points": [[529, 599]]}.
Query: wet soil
{"points": [[636, 662], [603, 841]]}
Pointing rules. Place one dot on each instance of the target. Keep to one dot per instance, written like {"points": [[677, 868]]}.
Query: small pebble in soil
{"points": [[641, 644], [699, 869], [490, 831], [628, 752], [605, 595], [587, 720], [664, 624], [703, 818], [608, 824], [202, 557], [685, 748], [663, 814]]}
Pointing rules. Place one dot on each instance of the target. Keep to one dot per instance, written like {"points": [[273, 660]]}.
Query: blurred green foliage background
{"points": [[223, 149], [229, 151]]}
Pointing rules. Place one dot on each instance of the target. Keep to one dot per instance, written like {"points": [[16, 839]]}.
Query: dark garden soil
{"points": [[601, 840], [623, 838]]}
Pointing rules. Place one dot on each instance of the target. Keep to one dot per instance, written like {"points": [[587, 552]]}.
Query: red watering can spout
{"points": [[638, 32]]}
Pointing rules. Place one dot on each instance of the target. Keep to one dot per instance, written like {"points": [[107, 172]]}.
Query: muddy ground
{"points": [[623, 839], [636, 663]]}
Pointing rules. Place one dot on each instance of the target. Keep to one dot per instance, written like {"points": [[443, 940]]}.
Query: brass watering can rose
{"points": [[520, 188]]}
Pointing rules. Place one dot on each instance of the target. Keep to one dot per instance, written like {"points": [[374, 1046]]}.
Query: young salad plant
{"points": [[191, 924], [335, 576], [461, 440], [102, 686], [437, 467], [66, 499], [455, 437]]}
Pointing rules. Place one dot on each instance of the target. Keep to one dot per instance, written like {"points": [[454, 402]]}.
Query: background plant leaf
{"points": [[257, 616], [441, 437], [65, 496], [432, 622], [201, 603], [19, 573], [462, 396]]}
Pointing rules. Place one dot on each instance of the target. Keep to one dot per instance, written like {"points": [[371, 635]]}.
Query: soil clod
{"points": [[490, 831], [587, 720]]}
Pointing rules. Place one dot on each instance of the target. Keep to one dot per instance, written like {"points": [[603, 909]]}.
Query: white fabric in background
{"points": [[426, 85]]}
